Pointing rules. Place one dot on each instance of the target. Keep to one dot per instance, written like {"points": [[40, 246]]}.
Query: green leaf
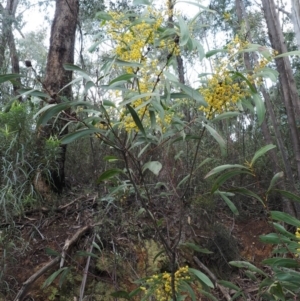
{"points": [[33, 92], [51, 252], [247, 265], [280, 228], [247, 192], [141, 2], [276, 290], [121, 294], [261, 152], [296, 52], [184, 32], [202, 277], [183, 180], [108, 174], [224, 177], [208, 295], [138, 96], [136, 119], [260, 107], [103, 16], [228, 202], [218, 138], [229, 285], [78, 134], [268, 73], [8, 77], [225, 115], [289, 195], [123, 77], [282, 262], [224, 167], [126, 63], [286, 218], [52, 277], [213, 52], [196, 248], [109, 103], [63, 276], [184, 286], [193, 93], [153, 166], [198, 5], [274, 238], [275, 179], [110, 158]]}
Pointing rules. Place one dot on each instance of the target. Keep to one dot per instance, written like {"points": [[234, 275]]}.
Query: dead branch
{"points": [[221, 288], [68, 244]]}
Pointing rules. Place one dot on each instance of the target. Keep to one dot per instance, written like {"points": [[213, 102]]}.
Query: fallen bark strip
{"points": [[221, 288], [68, 244]]}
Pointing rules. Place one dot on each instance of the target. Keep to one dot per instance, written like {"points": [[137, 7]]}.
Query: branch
{"points": [[222, 289]]}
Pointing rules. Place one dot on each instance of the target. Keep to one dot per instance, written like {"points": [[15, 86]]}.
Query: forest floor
{"points": [[64, 236]]}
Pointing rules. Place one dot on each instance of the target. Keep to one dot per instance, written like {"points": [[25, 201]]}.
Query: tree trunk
{"points": [[7, 39], [61, 51], [296, 20], [286, 78]]}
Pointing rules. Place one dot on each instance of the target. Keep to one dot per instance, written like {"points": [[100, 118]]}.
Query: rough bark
{"points": [[296, 19], [286, 78], [61, 51], [7, 39], [288, 206]]}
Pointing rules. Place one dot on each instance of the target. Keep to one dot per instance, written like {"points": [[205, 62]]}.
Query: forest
{"points": [[149, 150]]}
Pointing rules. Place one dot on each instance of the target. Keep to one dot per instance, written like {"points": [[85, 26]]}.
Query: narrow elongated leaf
{"points": [[52, 277], [141, 2], [286, 218], [138, 96], [78, 134], [282, 262], [127, 64], [51, 110], [218, 138], [120, 294], [226, 176], [153, 166], [208, 295], [247, 192], [202, 277], [289, 195], [277, 291], [229, 203], [213, 52], [108, 174], [275, 179], [184, 31], [296, 52], [280, 228], [103, 16], [123, 77], [261, 152], [194, 94], [225, 115], [8, 77], [229, 285], [198, 5], [247, 265], [136, 119], [260, 108], [184, 286], [274, 238], [33, 92], [224, 167]]}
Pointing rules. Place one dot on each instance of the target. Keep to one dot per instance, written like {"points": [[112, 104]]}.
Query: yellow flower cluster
{"points": [[224, 89], [140, 42], [159, 286], [297, 233]]}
